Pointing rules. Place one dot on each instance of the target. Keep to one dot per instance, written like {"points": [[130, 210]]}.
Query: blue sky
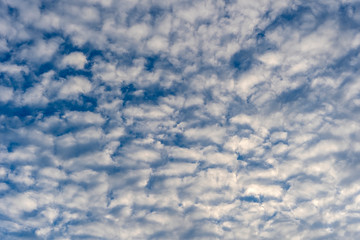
{"points": [[179, 119]]}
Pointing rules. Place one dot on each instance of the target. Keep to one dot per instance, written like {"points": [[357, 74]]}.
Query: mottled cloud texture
{"points": [[179, 119]]}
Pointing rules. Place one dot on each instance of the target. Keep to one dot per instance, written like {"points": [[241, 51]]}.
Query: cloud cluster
{"points": [[179, 119]]}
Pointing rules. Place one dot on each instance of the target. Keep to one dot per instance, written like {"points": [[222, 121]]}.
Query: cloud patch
{"points": [[179, 120]]}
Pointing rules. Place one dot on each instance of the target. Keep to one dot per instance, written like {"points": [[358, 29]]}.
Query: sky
{"points": [[164, 119]]}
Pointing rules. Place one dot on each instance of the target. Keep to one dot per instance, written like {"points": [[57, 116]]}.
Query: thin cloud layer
{"points": [[179, 119]]}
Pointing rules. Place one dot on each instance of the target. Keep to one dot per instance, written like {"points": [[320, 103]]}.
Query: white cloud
{"points": [[190, 145], [279, 148], [6, 94], [213, 133], [147, 111], [88, 135], [278, 136], [138, 31], [41, 51], [74, 86], [76, 117], [52, 173], [186, 153], [3, 46], [244, 145], [268, 191], [145, 155], [116, 133], [74, 59], [157, 43], [13, 69], [15, 205], [176, 169], [35, 96]]}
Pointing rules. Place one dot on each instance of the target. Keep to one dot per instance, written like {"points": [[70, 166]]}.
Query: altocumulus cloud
{"points": [[179, 119]]}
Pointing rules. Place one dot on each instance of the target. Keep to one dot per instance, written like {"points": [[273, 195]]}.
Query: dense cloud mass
{"points": [[211, 119]]}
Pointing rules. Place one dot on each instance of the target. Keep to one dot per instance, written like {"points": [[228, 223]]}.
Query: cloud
{"points": [[74, 86], [179, 120], [75, 59], [213, 133], [13, 68], [42, 51], [83, 117], [157, 43], [6, 94]]}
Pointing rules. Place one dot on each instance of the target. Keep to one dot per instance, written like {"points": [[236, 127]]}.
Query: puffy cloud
{"points": [[6, 94], [74, 86], [213, 133], [13, 69], [174, 119], [80, 118], [42, 51], [157, 43], [74, 59]]}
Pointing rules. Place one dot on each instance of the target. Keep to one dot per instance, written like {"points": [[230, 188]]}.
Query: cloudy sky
{"points": [[153, 119]]}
